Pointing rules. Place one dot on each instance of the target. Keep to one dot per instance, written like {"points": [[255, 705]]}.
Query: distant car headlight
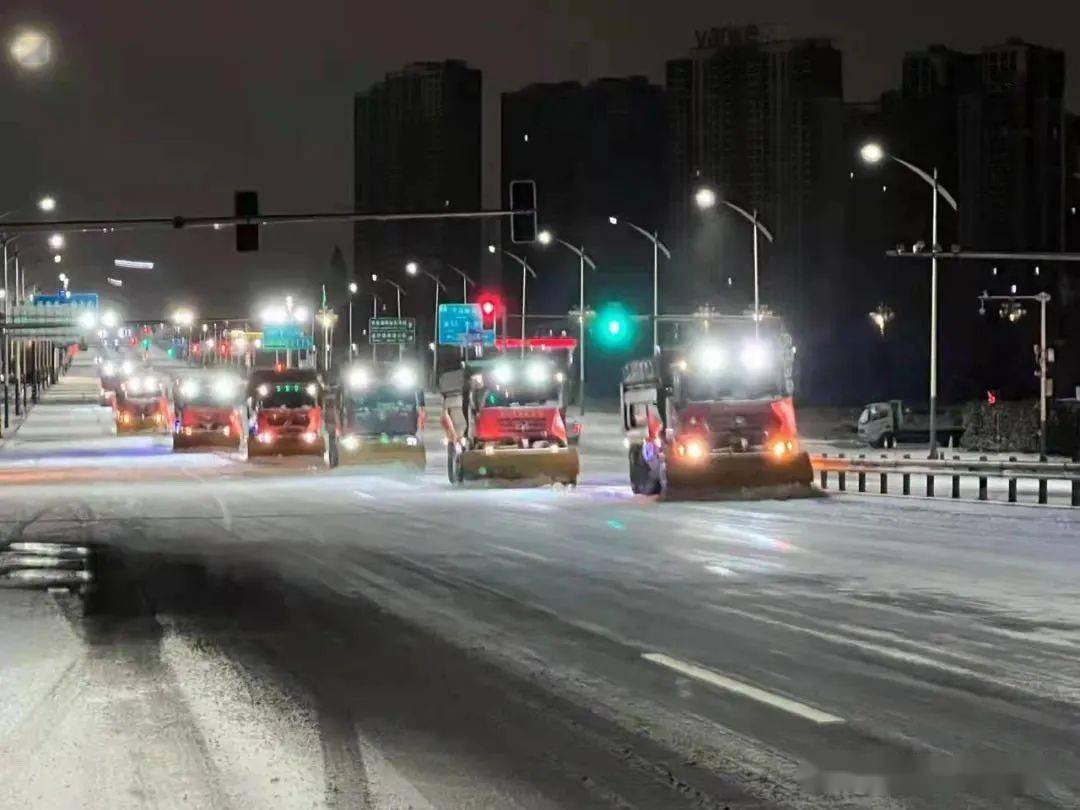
{"points": [[350, 442], [412, 441], [127, 367], [189, 389], [312, 389], [263, 390], [108, 370]]}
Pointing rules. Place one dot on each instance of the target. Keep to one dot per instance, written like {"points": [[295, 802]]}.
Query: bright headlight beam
{"points": [[536, 373], [709, 359], [503, 373], [358, 378], [754, 356], [189, 389], [404, 377]]}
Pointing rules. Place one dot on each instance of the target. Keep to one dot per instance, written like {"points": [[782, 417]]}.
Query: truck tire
{"points": [[643, 479], [453, 464]]}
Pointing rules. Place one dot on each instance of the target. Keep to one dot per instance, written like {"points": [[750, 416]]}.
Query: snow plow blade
{"points": [[378, 454], [558, 465], [739, 473]]}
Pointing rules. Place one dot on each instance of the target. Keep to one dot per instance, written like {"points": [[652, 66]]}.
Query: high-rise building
{"points": [[418, 149], [761, 120], [594, 150], [1012, 149]]}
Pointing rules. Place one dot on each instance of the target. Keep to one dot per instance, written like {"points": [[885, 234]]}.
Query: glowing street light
{"points": [[872, 153], [544, 237], [353, 287], [183, 317], [57, 259], [881, 317], [412, 268], [705, 198], [47, 204], [56, 241], [30, 49]]}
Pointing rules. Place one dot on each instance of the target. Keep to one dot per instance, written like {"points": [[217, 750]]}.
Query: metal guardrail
{"points": [[954, 470]]}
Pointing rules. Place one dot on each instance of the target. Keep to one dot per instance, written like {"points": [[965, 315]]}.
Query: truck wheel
{"points": [[644, 480], [453, 464]]}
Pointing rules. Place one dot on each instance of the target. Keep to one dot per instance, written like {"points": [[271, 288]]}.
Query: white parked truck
{"points": [[883, 424]]}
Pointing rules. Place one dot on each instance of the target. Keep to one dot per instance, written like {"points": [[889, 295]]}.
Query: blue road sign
{"points": [[80, 301], [457, 322], [284, 338]]}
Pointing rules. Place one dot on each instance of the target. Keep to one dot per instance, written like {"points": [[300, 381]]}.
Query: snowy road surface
{"points": [[287, 637]]}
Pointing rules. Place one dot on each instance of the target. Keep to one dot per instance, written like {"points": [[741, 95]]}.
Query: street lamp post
{"points": [[526, 271], [400, 292], [874, 153], [546, 238], [658, 248], [706, 198], [413, 269], [1043, 298], [353, 288]]}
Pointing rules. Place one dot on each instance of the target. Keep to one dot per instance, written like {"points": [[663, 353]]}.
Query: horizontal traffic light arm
{"points": [[229, 221]]}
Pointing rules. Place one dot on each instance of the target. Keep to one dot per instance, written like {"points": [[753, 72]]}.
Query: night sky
{"points": [[163, 108]]}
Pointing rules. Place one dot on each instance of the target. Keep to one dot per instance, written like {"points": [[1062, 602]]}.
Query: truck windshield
{"points": [[381, 398], [286, 395], [735, 387]]}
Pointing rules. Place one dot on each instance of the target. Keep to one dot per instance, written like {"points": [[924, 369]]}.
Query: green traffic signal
{"points": [[614, 328]]}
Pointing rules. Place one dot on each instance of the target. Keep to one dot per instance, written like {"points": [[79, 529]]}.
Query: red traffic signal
{"points": [[490, 308]]}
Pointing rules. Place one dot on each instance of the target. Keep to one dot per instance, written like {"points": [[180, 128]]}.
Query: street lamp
{"points": [[881, 317], [658, 248], [874, 153], [414, 269], [546, 237], [526, 271], [30, 49], [1012, 302], [47, 203], [57, 259], [353, 289], [706, 198], [56, 241], [400, 292]]}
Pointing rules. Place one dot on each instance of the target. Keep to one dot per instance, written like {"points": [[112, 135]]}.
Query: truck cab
{"points": [[504, 420], [376, 416], [714, 412], [142, 405], [208, 411], [285, 413]]}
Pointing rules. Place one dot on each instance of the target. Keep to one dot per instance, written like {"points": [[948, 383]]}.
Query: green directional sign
{"points": [[391, 331], [289, 337]]}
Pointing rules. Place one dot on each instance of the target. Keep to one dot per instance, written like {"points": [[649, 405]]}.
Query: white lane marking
{"points": [[526, 554], [721, 570], [364, 495], [226, 516], [746, 690]]}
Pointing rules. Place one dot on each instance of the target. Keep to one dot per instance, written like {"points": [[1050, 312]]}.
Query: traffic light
{"points": [[246, 204], [523, 199], [614, 328], [490, 309]]}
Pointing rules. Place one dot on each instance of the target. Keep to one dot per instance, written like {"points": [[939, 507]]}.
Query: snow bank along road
{"points": [[287, 637]]}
